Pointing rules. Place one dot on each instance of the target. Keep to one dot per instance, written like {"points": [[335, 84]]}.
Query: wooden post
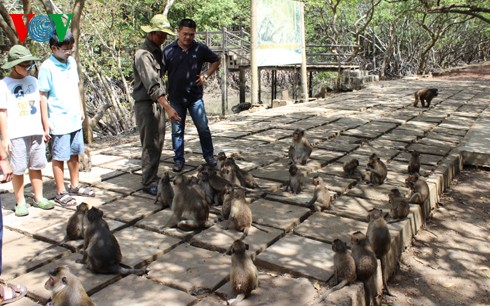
{"points": [[304, 75], [254, 71]]}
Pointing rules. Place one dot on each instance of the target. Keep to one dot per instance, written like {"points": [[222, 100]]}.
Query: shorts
{"points": [[66, 145], [28, 152]]}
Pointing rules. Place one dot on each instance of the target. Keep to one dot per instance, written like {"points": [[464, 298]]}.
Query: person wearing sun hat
{"points": [[24, 127], [149, 93]]}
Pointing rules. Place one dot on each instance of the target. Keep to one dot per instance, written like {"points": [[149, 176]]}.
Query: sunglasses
{"points": [[28, 67]]}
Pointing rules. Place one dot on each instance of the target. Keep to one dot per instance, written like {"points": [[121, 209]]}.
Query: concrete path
{"points": [[294, 256]]}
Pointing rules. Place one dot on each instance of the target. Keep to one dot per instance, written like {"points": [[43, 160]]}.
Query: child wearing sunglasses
{"points": [[24, 127]]}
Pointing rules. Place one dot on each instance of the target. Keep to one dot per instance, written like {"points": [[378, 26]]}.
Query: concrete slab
{"points": [[276, 291], [139, 247], [37, 219], [125, 164], [137, 290], [475, 148], [299, 256], [34, 280], [102, 197], [26, 254], [97, 174], [357, 208], [125, 184], [327, 227], [10, 235], [129, 209], [132, 150], [325, 156], [379, 193], [100, 158], [278, 215], [191, 269], [218, 239]]}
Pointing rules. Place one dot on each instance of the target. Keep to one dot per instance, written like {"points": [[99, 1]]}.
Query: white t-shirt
{"points": [[21, 99]]}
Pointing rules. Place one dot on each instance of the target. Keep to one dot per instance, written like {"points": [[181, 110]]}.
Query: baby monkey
{"points": [[294, 180]]}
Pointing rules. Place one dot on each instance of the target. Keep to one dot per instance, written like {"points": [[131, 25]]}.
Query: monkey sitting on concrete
{"points": [[399, 205], [419, 189], [240, 216], [321, 196], [66, 289], [344, 267], [244, 276], [189, 210], [102, 253], [366, 263], [425, 95], [380, 239], [294, 180], [350, 167], [301, 148], [377, 170], [414, 164], [75, 228], [165, 192]]}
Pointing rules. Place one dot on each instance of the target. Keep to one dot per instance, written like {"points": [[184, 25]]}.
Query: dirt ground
{"points": [[449, 262]]}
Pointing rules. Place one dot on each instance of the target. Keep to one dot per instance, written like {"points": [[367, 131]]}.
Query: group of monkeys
{"points": [[191, 198]]}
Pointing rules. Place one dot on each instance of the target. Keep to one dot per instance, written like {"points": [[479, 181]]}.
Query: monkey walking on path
{"points": [[66, 289], [244, 276], [425, 95]]}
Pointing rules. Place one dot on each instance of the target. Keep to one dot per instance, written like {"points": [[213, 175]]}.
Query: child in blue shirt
{"points": [[58, 86]]}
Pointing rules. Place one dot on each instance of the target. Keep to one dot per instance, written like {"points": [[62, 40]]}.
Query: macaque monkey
{"points": [[237, 176], [85, 161], [220, 159], [350, 166], [380, 239], [425, 95], [399, 205], [240, 213], [321, 197], [377, 170], [102, 253], [66, 289], [75, 227], [414, 164], [294, 180], [366, 263], [165, 192], [244, 276], [189, 209], [344, 267], [217, 183], [301, 149], [227, 198], [419, 189]]}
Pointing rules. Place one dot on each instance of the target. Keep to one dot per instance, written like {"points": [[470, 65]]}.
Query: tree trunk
{"points": [[88, 134]]}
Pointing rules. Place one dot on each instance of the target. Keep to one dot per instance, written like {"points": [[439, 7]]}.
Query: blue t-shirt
{"points": [[183, 70], [60, 81]]}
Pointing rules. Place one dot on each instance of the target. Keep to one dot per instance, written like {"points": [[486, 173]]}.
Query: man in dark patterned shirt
{"points": [[184, 60]]}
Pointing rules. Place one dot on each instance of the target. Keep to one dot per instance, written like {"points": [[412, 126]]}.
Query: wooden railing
{"points": [[237, 44]]}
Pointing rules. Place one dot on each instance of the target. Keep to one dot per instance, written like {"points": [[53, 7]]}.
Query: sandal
{"points": [[81, 190], [65, 200], [44, 204], [21, 210], [10, 293]]}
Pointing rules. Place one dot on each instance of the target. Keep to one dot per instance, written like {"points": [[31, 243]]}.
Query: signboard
{"points": [[280, 32]]}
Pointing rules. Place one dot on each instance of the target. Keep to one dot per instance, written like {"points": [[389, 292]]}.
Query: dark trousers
{"points": [[150, 119]]}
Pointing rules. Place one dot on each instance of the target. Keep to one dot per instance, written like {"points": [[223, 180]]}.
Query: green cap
{"points": [[159, 23], [17, 55]]}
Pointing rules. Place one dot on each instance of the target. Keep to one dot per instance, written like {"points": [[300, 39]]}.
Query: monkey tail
{"points": [[236, 300], [327, 293], [126, 271]]}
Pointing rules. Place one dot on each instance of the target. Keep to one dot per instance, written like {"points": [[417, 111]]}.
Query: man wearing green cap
{"points": [[149, 94], [24, 127]]}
